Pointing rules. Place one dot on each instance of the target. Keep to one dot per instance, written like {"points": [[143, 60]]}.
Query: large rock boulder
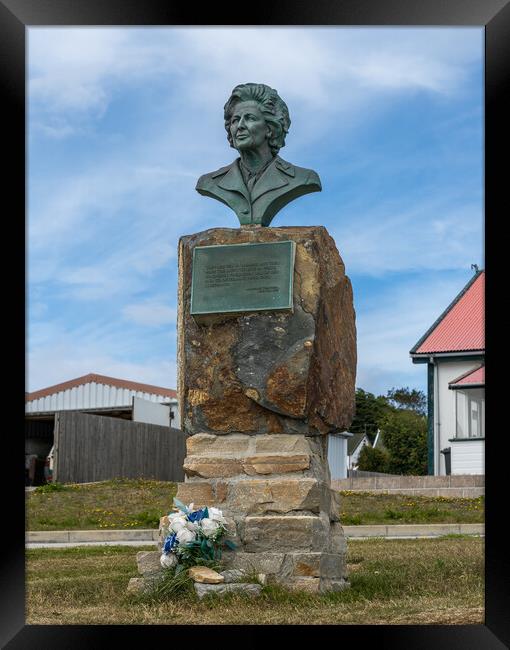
{"points": [[288, 371]]}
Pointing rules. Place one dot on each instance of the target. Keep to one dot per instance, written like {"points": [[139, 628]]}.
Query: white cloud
{"points": [[59, 352], [394, 320], [334, 70], [431, 235], [152, 313]]}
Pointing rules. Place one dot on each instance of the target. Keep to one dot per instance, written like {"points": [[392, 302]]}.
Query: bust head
{"points": [[269, 103]]}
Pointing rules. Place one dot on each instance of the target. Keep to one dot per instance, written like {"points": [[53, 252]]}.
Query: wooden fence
{"points": [[92, 448]]}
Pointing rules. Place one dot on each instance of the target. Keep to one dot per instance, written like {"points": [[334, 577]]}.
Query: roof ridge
{"points": [[100, 379], [466, 374], [445, 313]]}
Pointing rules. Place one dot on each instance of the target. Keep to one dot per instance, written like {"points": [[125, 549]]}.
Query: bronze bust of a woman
{"points": [[259, 183]]}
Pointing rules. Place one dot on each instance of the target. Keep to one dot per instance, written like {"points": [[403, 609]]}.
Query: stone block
{"points": [[335, 505], [251, 563], [246, 589], [272, 496], [275, 463], [337, 540], [233, 575], [327, 585], [307, 584], [271, 444], [142, 585], [212, 467], [205, 575], [286, 533], [148, 562], [333, 565], [275, 371], [210, 444], [301, 564], [200, 494]]}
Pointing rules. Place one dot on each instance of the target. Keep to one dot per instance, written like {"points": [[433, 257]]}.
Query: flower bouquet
{"points": [[194, 537]]}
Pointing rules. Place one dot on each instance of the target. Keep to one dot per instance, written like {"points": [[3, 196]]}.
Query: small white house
{"points": [[454, 350], [354, 447]]}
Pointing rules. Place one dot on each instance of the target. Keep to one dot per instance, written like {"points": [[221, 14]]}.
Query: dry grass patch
{"points": [[422, 581]]}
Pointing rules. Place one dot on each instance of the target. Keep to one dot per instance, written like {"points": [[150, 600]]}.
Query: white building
{"points": [[337, 454], [454, 351]]}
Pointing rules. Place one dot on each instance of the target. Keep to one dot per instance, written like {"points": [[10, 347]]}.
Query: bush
{"points": [[373, 460], [50, 487], [405, 438]]}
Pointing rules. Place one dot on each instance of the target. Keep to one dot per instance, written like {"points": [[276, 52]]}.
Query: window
{"points": [[470, 408]]}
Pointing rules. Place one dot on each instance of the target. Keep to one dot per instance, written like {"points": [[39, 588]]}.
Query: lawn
{"points": [[125, 503], [121, 503], [424, 581], [358, 508]]}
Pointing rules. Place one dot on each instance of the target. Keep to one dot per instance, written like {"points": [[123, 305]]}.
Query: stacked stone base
{"points": [[275, 491]]}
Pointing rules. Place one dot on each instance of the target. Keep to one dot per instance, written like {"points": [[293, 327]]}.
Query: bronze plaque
{"points": [[242, 277]]}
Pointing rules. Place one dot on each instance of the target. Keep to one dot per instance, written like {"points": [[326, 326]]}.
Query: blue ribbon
{"points": [[170, 542]]}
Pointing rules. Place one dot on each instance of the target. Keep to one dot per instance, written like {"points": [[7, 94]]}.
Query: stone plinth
{"points": [[288, 371], [258, 393]]}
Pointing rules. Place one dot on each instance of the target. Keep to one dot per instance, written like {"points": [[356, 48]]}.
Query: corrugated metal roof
{"points": [[474, 376], [460, 328], [100, 379]]}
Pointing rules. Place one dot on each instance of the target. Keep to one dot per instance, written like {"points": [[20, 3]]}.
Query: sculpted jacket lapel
{"points": [[271, 179], [234, 182]]}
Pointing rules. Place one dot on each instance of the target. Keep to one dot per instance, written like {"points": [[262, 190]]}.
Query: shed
{"points": [[99, 395], [337, 454]]}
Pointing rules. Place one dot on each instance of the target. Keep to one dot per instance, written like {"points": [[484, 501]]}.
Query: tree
{"points": [[408, 399], [369, 413], [405, 438], [373, 460]]}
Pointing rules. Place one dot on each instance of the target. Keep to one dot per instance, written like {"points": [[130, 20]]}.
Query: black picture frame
{"points": [[15, 17]]}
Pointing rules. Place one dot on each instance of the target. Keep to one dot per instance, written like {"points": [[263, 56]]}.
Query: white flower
{"points": [[178, 523], [209, 527], [168, 561], [216, 515], [192, 525], [184, 536]]}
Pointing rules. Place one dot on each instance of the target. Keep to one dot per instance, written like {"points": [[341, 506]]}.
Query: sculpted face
{"points": [[248, 127]]}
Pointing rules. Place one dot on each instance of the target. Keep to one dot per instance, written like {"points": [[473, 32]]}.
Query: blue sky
{"points": [[123, 121]]}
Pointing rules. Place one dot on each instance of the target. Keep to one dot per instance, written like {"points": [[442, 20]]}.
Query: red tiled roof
{"points": [[100, 379], [475, 376], [460, 328]]}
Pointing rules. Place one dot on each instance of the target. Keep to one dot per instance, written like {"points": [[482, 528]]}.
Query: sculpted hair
{"points": [[272, 106]]}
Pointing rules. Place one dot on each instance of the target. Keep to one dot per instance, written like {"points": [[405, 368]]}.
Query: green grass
{"points": [[124, 504], [427, 581], [118, 504], [357, 508]]}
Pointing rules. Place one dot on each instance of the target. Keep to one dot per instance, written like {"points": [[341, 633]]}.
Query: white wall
{"points": [[337, 456], [444, 408], [468, 456], [146, 411], [89, 396]]}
